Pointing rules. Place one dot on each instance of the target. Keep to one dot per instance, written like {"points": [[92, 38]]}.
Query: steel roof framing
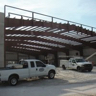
{"points": [[67, 34]]}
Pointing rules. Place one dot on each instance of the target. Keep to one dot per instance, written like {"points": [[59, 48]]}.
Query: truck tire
{"points": [[79, 69], [63, 66], [51, 74], [13, 80], [89, 70]]}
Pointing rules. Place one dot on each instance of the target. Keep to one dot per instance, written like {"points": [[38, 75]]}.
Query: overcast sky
{"points": [[81, 11]]}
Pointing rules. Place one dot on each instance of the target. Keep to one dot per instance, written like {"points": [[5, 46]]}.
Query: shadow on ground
{"points": [[38, 82]]}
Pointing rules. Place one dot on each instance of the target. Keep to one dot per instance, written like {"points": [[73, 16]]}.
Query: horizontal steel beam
{"points": [[29, 51], [13, 22], [43, 40], [36, 44], [52, 35]]}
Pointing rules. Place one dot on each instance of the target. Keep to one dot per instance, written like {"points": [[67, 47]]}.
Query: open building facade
{"points": [[26, 35]]}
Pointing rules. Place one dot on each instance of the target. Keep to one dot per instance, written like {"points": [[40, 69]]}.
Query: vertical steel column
{"points": [[4, 36], [17, 57], [32, 15], [81, 29], [81, 51], [92, 31], [37, 56], [28, 56], [52, 22], [67, 52], [68, 26], [32, 18], [56, 59]]}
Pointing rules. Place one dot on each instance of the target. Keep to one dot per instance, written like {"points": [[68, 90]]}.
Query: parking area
{"points": [[66, 83], [62, 77], [73, 76]]}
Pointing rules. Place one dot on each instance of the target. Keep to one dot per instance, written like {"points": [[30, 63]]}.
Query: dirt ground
{"points": [[62, 77], [66, 82], [73, 76]]}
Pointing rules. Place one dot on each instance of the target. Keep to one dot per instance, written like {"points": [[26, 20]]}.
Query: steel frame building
{"points": [[34, 33]]}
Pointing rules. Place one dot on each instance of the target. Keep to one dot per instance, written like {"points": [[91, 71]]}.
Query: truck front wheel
{"points": [[51, 74], [79, 69], [13, 80], [89, 70]]}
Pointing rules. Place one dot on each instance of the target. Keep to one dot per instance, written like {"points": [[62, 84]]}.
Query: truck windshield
{"points": [[80, 60]]}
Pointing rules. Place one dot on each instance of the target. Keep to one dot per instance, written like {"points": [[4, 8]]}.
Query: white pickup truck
{"points": [[26, 69], [77, 63]]}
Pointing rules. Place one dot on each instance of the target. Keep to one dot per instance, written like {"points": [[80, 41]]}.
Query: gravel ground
{"points": [[73, 76]]}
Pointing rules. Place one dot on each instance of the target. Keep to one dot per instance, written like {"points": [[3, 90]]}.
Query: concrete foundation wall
{"points": [[1, 39]]}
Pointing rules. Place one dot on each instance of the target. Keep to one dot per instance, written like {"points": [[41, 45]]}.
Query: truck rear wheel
{"points": [[13, 80], [51, 75], [63, 66]]}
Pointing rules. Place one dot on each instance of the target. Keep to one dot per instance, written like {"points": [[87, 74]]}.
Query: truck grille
{"points": [[88, 65]]}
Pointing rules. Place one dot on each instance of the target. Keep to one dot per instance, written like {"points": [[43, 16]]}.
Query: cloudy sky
{"points": [[81, 11]]}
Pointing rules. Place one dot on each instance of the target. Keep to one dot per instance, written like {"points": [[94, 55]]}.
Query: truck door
{"points": [[73, 64], [40, 68], [33, 71], [24, 72]]}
